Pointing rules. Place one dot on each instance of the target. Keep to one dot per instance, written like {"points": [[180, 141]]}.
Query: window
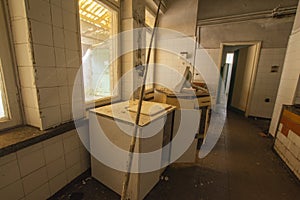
{"points": [[10, 114], [151, 66], [149, 21], [3, 98], [149, 18], [229, 58], [98, 24]]}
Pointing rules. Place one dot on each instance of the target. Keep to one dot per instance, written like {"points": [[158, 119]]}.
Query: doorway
{"points": [[237, 75]]}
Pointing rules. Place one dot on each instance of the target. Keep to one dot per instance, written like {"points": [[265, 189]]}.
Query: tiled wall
{"points": [[208, 63], [47, 45], [132, 12], [288, 148], [39, 171], [177, 34], [170, 64], [290, 76]]}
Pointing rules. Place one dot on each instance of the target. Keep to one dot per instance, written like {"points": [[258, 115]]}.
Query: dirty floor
{"points": [[242, 166]]}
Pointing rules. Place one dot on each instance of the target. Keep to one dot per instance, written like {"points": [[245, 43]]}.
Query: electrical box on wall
{"points": [[274, 69], [184, 55]]}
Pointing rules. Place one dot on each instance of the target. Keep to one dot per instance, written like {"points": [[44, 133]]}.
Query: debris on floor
{"points": [[76, 196], [241, 166]]}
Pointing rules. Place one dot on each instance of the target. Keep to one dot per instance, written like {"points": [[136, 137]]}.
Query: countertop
{"points": [[18, 138], [126, 111]]}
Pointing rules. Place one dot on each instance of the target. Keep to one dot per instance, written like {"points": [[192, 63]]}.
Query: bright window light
{"points": [[3, 98], [229, 58], [2, 113], [150, 75], [149, 18], [98, 23]]}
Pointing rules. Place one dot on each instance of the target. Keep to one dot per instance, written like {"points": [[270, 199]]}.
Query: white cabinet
{"points": [[110, 129]]}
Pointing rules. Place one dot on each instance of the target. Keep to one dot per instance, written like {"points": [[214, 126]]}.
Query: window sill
{"points": [[18, 138]]}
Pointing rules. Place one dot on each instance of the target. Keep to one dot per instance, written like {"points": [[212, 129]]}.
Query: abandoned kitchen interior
{"points": [[149, 99]]}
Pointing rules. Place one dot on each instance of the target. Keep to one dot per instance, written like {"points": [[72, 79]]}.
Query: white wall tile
{"points": [[51, 117], [69, 21], [8, 158], [42, 192], [69, 5], [66, 112], [44, 56], [56, 167], [48, 97], [34, 180], [73, 172], [46, 77], [40, 180], [83, 133], [32, 116], [56, 2], [84, 159], [27, 76], [29, 96], [53, 151], [20, 31], [85, 164], [52, 140], [69, 134], [41, 33], [73, 59], [13, 191], [64, 95], [58, 37], [17, 9], [23, 55], [60, 57], [71, 143], [72, 158], [58, 183], [9, 173], [56, 14], [39, 10], [62, 76], [72, 73], [71, 40], [30, 159]]}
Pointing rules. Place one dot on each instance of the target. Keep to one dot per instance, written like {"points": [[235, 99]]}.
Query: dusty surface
{"points": [[241, 166], [18, 138]]}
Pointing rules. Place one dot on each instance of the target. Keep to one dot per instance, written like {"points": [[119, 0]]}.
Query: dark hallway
{"points": [[241, 166]]}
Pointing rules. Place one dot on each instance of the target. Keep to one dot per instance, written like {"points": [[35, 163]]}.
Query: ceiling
{"points": [[95, 21]]}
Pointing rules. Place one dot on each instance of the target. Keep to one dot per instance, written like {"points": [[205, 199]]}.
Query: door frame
{"points": [[258, 45]]}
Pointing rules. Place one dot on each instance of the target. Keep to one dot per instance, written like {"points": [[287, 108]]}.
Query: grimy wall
{"points": [[221, 21]]}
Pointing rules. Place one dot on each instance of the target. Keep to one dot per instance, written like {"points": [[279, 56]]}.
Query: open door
{"points": [[238, 75]]}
